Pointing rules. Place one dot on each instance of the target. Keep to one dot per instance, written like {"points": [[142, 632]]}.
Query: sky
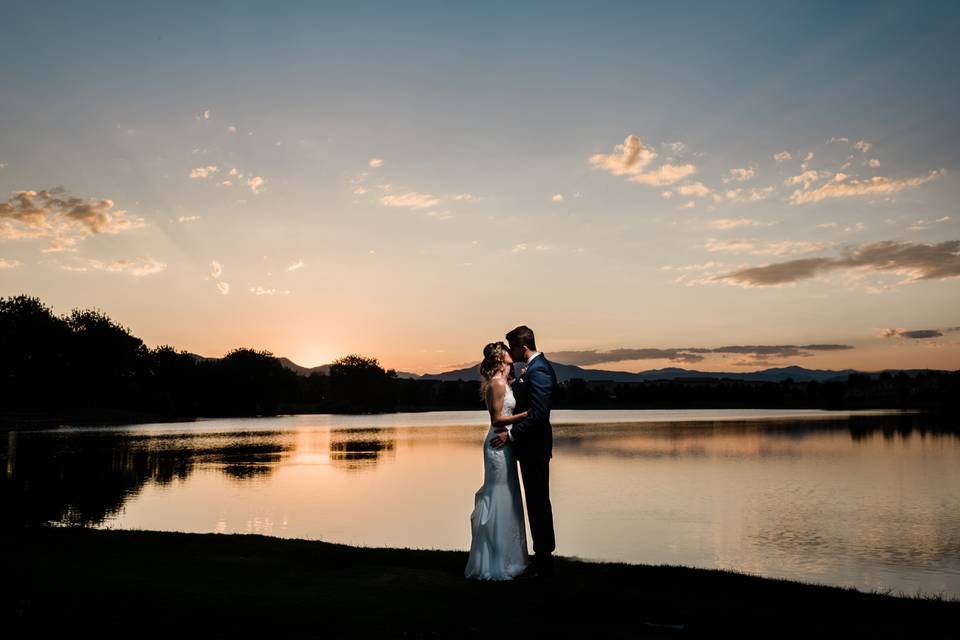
{"points": [[722, 187]]}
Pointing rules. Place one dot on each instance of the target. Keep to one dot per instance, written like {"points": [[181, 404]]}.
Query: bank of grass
{"points": [[134, 582]]}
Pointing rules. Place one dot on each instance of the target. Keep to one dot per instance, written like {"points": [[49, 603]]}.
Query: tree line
{"points": [[84, 362]]}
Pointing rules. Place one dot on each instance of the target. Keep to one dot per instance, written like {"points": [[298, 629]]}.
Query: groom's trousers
{"points": [[536, 485]]}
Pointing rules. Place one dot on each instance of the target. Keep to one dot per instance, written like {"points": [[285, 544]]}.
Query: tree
{"points": [[34, 353], [358, 384]]}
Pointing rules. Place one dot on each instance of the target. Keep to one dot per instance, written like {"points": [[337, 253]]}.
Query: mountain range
{"points": [[568, 371]]}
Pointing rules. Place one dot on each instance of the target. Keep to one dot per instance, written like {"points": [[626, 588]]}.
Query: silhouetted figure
{"points": [[532, 438]]}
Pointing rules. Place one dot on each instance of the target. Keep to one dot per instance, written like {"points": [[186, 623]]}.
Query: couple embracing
{"points": [[498, 550]]}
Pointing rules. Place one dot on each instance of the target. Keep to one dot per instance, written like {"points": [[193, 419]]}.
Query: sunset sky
{"points": [[724, 186]]}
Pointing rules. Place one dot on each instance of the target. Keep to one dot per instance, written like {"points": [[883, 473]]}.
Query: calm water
{"points": [[862, 499]]}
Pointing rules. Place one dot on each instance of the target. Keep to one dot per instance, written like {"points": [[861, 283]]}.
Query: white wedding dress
{"points": [[498, 550]]}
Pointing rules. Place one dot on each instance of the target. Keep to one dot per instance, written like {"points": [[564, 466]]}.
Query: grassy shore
{"points": [[157, 583]]}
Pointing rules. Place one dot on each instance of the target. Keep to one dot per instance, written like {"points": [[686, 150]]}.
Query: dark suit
{"points": [[532, 439]]}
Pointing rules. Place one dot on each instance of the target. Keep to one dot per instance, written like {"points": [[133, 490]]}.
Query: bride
{"points": [[498, 550]]}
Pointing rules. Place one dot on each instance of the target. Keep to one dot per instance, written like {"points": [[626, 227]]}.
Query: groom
{"points": [[532, 439]]}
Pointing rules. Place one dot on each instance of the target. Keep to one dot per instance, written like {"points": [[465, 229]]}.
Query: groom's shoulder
{"points": [[545, 363]]}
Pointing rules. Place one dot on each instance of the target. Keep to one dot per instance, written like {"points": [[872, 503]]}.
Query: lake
{"points": [[867, 499]]}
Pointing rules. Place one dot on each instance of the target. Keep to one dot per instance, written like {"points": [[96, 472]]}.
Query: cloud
{"points": [[914, 260], [783, 156], [66, 219], [256, 184], [874, 163], [916, 334], [557, 197], [375, 162], [690, 354], [846, 140], [216, 270], [204, 172], [753, 194], [232, 129], [296, 265], [842, 186], [411, 200], [141, 266], [204, 115], [631, 159], [758, 247], [862, 145], [739, 175], [260, 291], [920, 225], [9, 264], [733, 223], [465, 197], [665, 174], [517, 248], [694, 189], [187, 218], [806, 178]]}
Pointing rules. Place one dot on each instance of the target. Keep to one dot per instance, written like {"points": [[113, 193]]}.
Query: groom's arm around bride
{"points": [[539, 390]]}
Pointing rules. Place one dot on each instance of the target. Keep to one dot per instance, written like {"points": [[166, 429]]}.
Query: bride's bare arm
{"points": [[505, 420]]}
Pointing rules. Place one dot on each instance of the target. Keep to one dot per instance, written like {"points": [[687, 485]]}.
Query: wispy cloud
{"points": [[914, 334], [296, 265], [256, 184], [691, 354], [6, 263], [843, 186], [733, 223], [921, 225], [142, 266], [204, 172], [66, 219], [375, 163], [739, 175], [261, 291], [914, 260], [759, 247], [632, 158], [410, 200], [694, 189], [216, 270]]}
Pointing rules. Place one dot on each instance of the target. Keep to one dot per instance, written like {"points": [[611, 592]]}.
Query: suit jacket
{"points": [[533, 436]]}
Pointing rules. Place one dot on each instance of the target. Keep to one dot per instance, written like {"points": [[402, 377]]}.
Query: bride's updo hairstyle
{"points": [[492, 363]]}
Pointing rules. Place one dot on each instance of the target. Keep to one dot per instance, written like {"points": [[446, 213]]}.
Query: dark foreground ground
{"points": [[150, 583]]}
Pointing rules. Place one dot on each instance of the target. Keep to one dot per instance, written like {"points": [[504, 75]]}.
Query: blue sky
{"points": [[441, 172]]}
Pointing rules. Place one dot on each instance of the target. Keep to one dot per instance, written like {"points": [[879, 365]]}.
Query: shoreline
{"points": [[100, 578], [42, 421]]}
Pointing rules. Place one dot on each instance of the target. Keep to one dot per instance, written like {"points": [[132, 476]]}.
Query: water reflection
{"points": [[359, 449], [858, 500]]}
